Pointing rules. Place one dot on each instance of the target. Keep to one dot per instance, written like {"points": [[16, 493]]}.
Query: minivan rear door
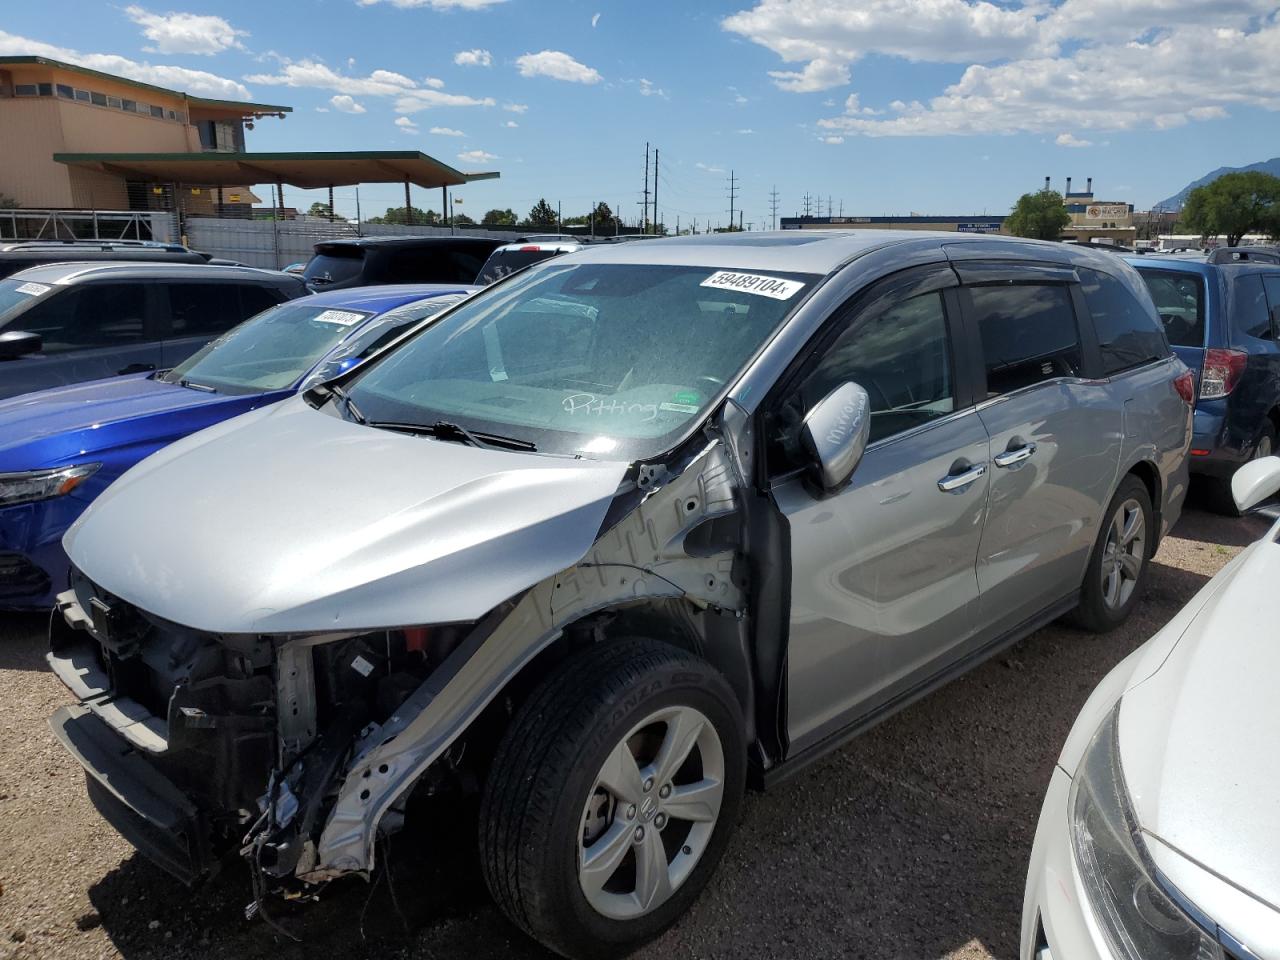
{"points": [[1183, 301], [1055, 433]]}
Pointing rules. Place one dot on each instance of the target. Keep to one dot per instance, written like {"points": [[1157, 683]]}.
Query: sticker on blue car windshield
{"points": [[343, 318], [760, 285]]}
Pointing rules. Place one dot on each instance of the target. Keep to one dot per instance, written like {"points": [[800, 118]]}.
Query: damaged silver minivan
{"points": [[607, 541]]}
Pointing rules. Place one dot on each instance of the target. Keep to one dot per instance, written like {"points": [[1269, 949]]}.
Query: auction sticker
{"points": [[343, 318], [32, 289], [762, 286]]}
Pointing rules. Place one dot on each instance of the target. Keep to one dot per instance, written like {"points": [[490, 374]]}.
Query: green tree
{"points": [[603, 218], [1235, 204], [462, 220], [319, 210], [1040, 215], [414, 217], [542, 215], [499, 218], [8, 203]]}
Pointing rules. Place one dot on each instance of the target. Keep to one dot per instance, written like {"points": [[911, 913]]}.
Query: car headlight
{"points": [[1140, 920], [36, 485]]}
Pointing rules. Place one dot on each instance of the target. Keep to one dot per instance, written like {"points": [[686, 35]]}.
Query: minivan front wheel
{"points": [[1117, 570], [612, 797]]}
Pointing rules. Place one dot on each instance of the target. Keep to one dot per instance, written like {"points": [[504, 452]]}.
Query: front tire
{"points": [[1117, 572], [612, 797]]}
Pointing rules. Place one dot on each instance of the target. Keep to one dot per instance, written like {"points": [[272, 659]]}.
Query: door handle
{"points": [[1015, 456], [958, 481], [135, 368]]}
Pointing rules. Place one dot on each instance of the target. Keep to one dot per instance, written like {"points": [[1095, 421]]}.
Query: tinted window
{"points": [[254, 298], [1272, 285], [203, 309], [465, 266], [1028, 334], [91, 315], [18, 294], [1179, 299], [339, 265], [1128, 331], [504, 262], [897, 352], [1250, 308]]}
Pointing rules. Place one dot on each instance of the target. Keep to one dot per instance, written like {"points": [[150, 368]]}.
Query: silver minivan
{"points": [[604, 543]]}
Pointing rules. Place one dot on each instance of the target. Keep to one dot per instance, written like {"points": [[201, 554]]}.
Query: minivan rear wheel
{"points": [[1117, 572], [612, 797]]}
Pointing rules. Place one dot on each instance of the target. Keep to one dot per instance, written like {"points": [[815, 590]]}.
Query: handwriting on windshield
{"points": [[589, 403]]}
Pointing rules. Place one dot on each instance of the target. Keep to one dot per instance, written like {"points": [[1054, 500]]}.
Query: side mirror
{"points": [[19, 343], [1255, 482], [835, 434]]}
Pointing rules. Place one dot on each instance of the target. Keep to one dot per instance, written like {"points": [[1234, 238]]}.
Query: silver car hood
{"points": [[291, 520], [1198, 748]]}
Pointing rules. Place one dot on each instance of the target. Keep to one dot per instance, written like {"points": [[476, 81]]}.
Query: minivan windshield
{"points": [[610, 361], [1179, 298]]}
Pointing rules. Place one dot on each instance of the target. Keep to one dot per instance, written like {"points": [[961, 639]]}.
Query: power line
{"points": [[733, 196], [773, 205], [655, 188], [645, 220]]}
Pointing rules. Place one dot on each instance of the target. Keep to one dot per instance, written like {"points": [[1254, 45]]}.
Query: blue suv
{"points": [[1221, 313]]}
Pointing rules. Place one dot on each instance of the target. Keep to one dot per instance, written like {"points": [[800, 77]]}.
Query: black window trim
{"points": [[1096, 365], [834, 325]]}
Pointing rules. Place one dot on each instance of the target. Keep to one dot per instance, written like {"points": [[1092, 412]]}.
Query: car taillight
{"points": [[1222, 369], [1185, 384]]}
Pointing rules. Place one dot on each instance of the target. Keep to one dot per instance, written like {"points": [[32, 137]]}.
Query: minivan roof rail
{"points": [[1245, 255]]}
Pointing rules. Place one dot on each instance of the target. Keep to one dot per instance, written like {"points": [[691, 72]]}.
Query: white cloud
{"points": [[186, 32], [595, 18], [1069, 140], [198, 82], [426, 99], [647, 89], [410, 97], [833, 139], [709, 168], [435, 83], [511, 124], [345, 104], [746, 131], [443, 131], [473, 58], [322, 109], [516, 107], [1104, 85], [477, 156], [436, 4], [829, 37], [407, 125], [558, 66]]}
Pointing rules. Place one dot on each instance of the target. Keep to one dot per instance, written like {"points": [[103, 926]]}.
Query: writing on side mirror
{"points": [[1255, 482], [835, 433]]}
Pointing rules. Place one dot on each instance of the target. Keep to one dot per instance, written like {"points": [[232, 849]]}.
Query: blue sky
{"points": [[885, 106]]}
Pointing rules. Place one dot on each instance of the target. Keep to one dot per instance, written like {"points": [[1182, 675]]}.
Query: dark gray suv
{"points": [[67, 322], [634, 527]]}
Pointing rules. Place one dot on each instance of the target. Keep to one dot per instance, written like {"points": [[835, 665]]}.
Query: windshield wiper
{"points": [[446, 430], [192, 385], [323, 391]]}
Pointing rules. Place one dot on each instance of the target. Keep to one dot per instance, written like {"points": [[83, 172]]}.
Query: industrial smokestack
{"points": [[1068, 184], [1046, 183], [1089, 187]]}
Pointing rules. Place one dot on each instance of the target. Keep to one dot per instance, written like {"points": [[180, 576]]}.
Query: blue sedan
{"points": [[60, 448]]}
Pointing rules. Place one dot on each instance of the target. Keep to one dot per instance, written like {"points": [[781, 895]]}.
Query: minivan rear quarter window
{"points": [[1028, 334], [1179, 299], [1129, 333], [1252, 317], [335, 265]]}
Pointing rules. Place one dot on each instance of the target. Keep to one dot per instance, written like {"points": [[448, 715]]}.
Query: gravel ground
{"points": [[911, 842]]}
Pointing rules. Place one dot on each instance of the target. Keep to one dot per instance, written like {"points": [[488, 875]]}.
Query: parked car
{"points": [[510, 257], [602, 540], [1223, 318], [69, 322], [363, 261], [20, 255], [1158, 836], [60, 448]]}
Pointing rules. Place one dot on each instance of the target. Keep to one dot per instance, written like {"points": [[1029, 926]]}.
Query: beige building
{"points": [[48, 107], [1094, 220]]}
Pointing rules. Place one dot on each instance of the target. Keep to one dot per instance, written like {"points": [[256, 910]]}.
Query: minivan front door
{"points": [[1056, 438], [883, 583]]}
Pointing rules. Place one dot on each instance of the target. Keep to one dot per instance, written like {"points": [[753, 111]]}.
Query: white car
{"points": [[1160, 834]]}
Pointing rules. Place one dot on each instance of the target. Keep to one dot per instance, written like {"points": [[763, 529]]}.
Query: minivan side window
{"points": [[1129, 333], [90, 315], [1028, 334], [1252, 316], [898, 352]]}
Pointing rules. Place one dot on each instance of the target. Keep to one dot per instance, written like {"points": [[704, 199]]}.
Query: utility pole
{"points": [[559, 219], [655, 188], [733, 196], [644, 222], [773, 205], [740, 212]]}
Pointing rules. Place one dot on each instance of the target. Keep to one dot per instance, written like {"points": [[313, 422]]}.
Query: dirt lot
{"points": [[911, 842]]}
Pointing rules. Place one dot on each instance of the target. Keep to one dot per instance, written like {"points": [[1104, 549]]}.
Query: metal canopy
{"points": [[306, 171]]}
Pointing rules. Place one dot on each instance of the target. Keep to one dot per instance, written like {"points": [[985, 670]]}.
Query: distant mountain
{"points": [[1175, 202]]}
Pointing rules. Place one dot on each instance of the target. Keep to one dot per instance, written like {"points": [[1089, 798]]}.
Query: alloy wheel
{"points": [[1123, 554], [651, 814]]}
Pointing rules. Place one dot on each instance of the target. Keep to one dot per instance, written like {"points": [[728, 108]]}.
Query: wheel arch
{"points": [[1149, 474]]}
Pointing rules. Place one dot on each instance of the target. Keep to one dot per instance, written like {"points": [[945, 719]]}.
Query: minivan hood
{"points": [[292, 520], [1198, 739]]}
